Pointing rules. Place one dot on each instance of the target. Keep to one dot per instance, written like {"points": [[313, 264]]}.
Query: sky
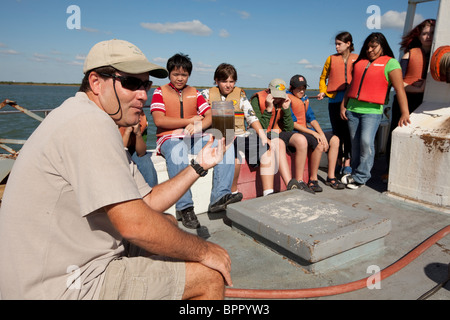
{"points": [[48, 40]]}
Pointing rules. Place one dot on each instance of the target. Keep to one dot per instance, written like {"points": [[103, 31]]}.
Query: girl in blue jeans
{"points": [[374, 72]]}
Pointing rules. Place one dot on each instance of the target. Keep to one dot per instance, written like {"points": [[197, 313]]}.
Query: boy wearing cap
{"points": [[273, 108], [85, 199], [318, 141], [180, 114]]}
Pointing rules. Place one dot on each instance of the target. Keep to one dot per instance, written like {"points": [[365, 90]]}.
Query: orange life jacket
{"points": [[276, 121], [340, 74], [178, 106], [235, 97], [299, 109], [415, 66], [369, 82]]}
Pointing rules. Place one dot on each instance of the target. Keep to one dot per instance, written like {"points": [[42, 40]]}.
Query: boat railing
{"points": [[12, 154]]}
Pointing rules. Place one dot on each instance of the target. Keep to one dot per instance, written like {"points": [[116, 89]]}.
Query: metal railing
{"points": [[12, 154]]}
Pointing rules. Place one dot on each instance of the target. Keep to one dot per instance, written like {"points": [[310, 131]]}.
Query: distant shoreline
{"points": [[39, 84], [78, 84]]}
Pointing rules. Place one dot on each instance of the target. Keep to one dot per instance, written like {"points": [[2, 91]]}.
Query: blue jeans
{"points": [[363, 129], [146, 167], [176, 151]]}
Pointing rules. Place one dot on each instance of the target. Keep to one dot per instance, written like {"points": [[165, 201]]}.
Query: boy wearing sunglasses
{"points": [[180, 114], [86, 202]]}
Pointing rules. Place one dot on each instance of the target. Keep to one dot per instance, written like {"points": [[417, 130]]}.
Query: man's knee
{"points": [[203, 282]]}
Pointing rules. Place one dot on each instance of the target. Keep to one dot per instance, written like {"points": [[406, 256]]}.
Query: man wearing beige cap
{"points": [[74, 199]]}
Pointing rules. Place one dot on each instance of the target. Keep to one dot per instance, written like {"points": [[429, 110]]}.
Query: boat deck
{"points": [[255, 266]]}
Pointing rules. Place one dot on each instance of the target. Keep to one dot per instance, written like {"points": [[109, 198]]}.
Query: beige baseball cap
{"points": [[277, 88], [122, 55]]}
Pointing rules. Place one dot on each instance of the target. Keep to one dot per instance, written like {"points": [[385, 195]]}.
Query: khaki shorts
{"points": [[144, 278]]}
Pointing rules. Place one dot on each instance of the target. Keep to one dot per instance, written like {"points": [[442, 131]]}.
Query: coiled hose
{"points": [[342, 288]]}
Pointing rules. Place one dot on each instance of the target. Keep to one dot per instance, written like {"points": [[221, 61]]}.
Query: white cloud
{"points": [[308, 65], [303, 61], [9, 52], [40, 57], [194, 27], [203, 67], [224, 33], [313, 66], [244, 14], [396, 20], [75, 63]]}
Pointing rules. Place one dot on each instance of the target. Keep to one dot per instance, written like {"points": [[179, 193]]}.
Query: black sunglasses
{"points": [[130, 83]]}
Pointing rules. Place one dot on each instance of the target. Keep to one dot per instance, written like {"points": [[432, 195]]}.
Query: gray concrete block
{"points": [[312, 228]]}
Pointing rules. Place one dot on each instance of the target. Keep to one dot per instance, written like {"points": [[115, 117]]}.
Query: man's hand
{"points": [[217, 258], [208, 157]]}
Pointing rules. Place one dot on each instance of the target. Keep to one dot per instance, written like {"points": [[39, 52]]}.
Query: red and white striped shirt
{"points": [[159, 105]]}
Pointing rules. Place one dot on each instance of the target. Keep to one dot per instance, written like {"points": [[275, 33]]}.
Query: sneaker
{"points": [[188, 218], [354, 185], [224, 201], [350, 182], [292, 184], [303, 186], [346, 179], [314, 186]]}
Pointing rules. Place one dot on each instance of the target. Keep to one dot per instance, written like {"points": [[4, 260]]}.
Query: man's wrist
{"points": [[198, 168]]}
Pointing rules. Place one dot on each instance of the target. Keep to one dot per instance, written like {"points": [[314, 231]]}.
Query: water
{"points": [[20, 126]]}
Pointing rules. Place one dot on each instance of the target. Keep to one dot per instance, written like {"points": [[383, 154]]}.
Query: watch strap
{"points": [[198, 168]]}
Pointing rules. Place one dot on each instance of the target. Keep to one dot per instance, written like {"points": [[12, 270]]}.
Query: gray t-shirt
{"points": [[55, 238]]}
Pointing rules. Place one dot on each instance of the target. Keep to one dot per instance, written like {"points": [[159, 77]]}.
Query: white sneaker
{"points": [[354, 185], [350, 182], [346, 179]]}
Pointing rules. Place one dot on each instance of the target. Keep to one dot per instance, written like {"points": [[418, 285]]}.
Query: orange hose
{"points": [[342, 288]]}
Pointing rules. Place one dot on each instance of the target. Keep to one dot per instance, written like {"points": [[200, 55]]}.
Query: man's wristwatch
{"points": [[198, 168]]}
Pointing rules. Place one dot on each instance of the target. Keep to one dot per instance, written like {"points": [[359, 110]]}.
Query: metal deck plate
{"points": [[310, 229]]}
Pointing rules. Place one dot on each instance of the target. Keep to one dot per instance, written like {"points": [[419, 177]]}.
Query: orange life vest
{"points": [[178, 106], [235, 97], [299, 109], [369, 82], [415, 66], [276, 121], [340, 74]]}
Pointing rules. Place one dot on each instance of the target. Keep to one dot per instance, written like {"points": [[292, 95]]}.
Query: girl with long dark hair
{"points": [[374, 72], [416, 45]]}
